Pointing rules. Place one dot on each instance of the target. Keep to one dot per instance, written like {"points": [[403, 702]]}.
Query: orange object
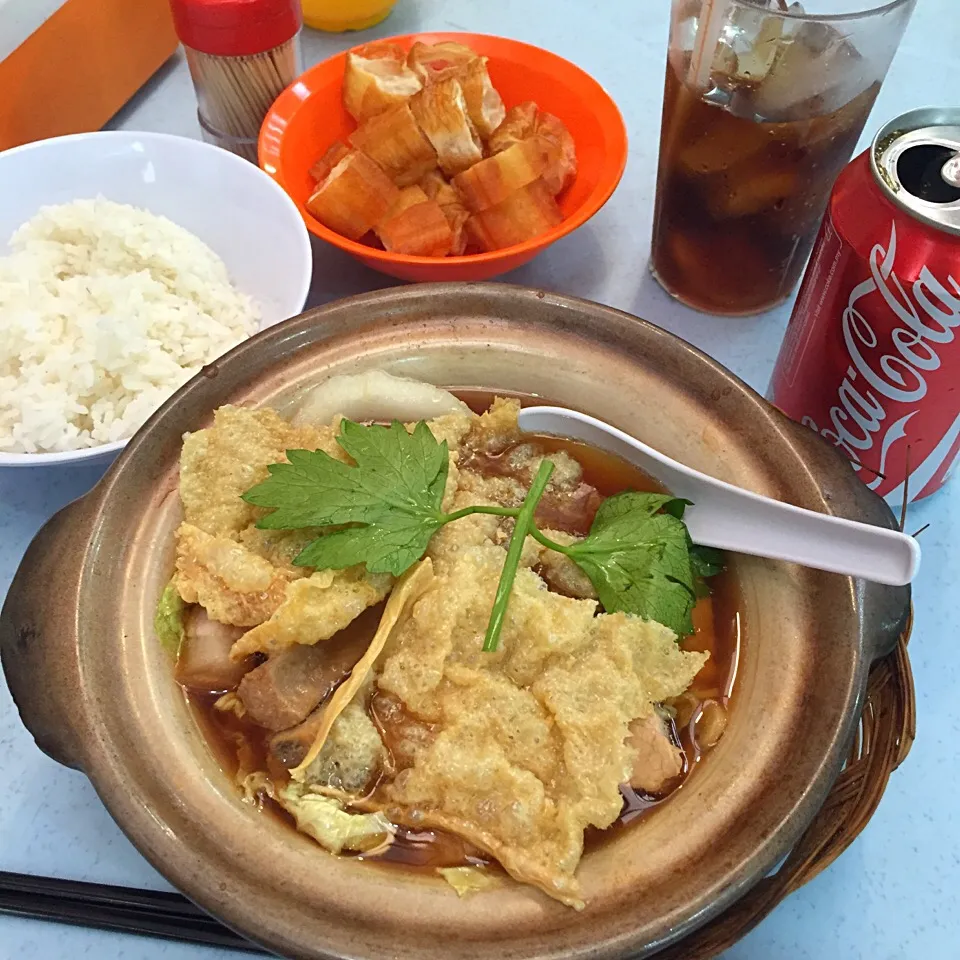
{"points": [[81, 66], [525, 214], [335, 16], [355, 196], [491, 181], [421, 229], [291, 140]]}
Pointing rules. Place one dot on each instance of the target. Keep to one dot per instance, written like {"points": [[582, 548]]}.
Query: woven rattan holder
{"points": [[886, 732]]}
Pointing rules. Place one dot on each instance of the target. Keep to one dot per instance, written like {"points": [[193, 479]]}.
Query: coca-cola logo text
{"points": [[896, 370]]}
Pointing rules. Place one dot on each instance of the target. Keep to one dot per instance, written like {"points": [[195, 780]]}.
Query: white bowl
{"points": [[230, 204]]}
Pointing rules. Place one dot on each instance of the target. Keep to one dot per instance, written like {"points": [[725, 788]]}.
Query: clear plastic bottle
{"points": [[242, 54]]}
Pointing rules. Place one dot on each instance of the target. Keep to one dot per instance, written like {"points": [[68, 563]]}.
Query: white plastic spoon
{"points": [[729, 518]]}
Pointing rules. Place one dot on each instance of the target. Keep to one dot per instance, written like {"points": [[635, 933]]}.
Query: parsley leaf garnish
{"points": [[638, 559], [392, 495], [382, 510]]}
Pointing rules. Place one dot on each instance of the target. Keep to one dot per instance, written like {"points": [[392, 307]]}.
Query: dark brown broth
{"points": [[239, 743]]}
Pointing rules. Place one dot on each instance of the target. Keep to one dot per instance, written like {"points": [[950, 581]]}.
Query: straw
{"points": [[713, 15]]}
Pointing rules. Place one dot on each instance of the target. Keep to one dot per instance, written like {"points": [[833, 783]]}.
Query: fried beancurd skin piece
{"points": [[354, 198], [528, 745], [333, 155], [376, 78], [441, 111], [230, 582], [493, 180], [394, 141], [221, 462], [314, 608], [525, 214]]}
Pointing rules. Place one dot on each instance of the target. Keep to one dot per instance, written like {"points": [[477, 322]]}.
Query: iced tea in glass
{"points": [[763, 106]]}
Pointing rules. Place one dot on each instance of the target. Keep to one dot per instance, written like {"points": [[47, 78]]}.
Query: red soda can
{"points": [[871, 356]]}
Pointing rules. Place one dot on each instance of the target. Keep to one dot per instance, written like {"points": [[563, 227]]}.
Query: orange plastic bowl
{"points": [[308, 116]]}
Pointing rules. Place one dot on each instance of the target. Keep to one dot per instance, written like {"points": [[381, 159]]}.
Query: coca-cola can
{"points": [[871, 356]]}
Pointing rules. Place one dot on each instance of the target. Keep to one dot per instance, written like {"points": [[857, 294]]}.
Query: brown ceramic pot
{"points": [[97, 692]]}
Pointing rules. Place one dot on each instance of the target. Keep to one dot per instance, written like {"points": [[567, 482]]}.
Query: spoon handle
{"points": [[730, 518], [745, 522]]}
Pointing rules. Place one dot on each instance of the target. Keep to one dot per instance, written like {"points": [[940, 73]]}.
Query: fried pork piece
{"points": [[376, 77], [531, 744], [219, 464], [441, 111], [314, 609], [230, 582], [657, 760]]}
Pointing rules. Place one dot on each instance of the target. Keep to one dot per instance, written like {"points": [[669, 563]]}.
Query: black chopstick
{"points": [[151, 913]]}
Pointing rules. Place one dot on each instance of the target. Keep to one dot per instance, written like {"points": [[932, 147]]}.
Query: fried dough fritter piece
{"points": [[230, 582], [222, 462], [532, 741], [314, 609]]}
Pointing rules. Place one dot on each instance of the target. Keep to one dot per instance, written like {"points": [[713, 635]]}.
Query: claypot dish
{"points": [[97, 691]]}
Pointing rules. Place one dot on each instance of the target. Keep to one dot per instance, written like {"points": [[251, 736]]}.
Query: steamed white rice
{"points": [[105, 310]]}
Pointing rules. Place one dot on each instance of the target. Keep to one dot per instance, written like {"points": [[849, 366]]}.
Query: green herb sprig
{"points": [[385, 508]]}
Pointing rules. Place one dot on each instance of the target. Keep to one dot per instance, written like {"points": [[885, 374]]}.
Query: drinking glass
{"points": [[763, 106]]}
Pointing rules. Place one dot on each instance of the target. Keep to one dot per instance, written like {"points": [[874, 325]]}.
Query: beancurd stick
{"points": [[408, 588]]}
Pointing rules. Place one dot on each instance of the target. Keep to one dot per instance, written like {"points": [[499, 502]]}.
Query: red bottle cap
{"points": [[235, 28]]}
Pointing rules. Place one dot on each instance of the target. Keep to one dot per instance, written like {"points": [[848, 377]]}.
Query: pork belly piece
{"points": [[204, 661], [284, 690]]}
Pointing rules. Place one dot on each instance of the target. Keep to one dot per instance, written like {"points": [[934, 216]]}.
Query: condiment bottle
{"points": [[335, 16], [241, 54]]}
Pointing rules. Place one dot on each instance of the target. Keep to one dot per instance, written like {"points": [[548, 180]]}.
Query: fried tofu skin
{"points": [[530, 743], [314, 608]]}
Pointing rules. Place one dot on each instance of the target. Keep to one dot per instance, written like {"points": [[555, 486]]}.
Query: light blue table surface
{"points": [[895, 894]]}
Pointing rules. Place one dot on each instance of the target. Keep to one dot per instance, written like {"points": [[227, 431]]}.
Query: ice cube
{"points": [[747, 192], [722, 144], [811, 75], [753, 34]]}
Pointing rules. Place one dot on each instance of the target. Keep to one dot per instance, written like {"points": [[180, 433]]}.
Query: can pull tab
{"points": [[950, 171]]}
